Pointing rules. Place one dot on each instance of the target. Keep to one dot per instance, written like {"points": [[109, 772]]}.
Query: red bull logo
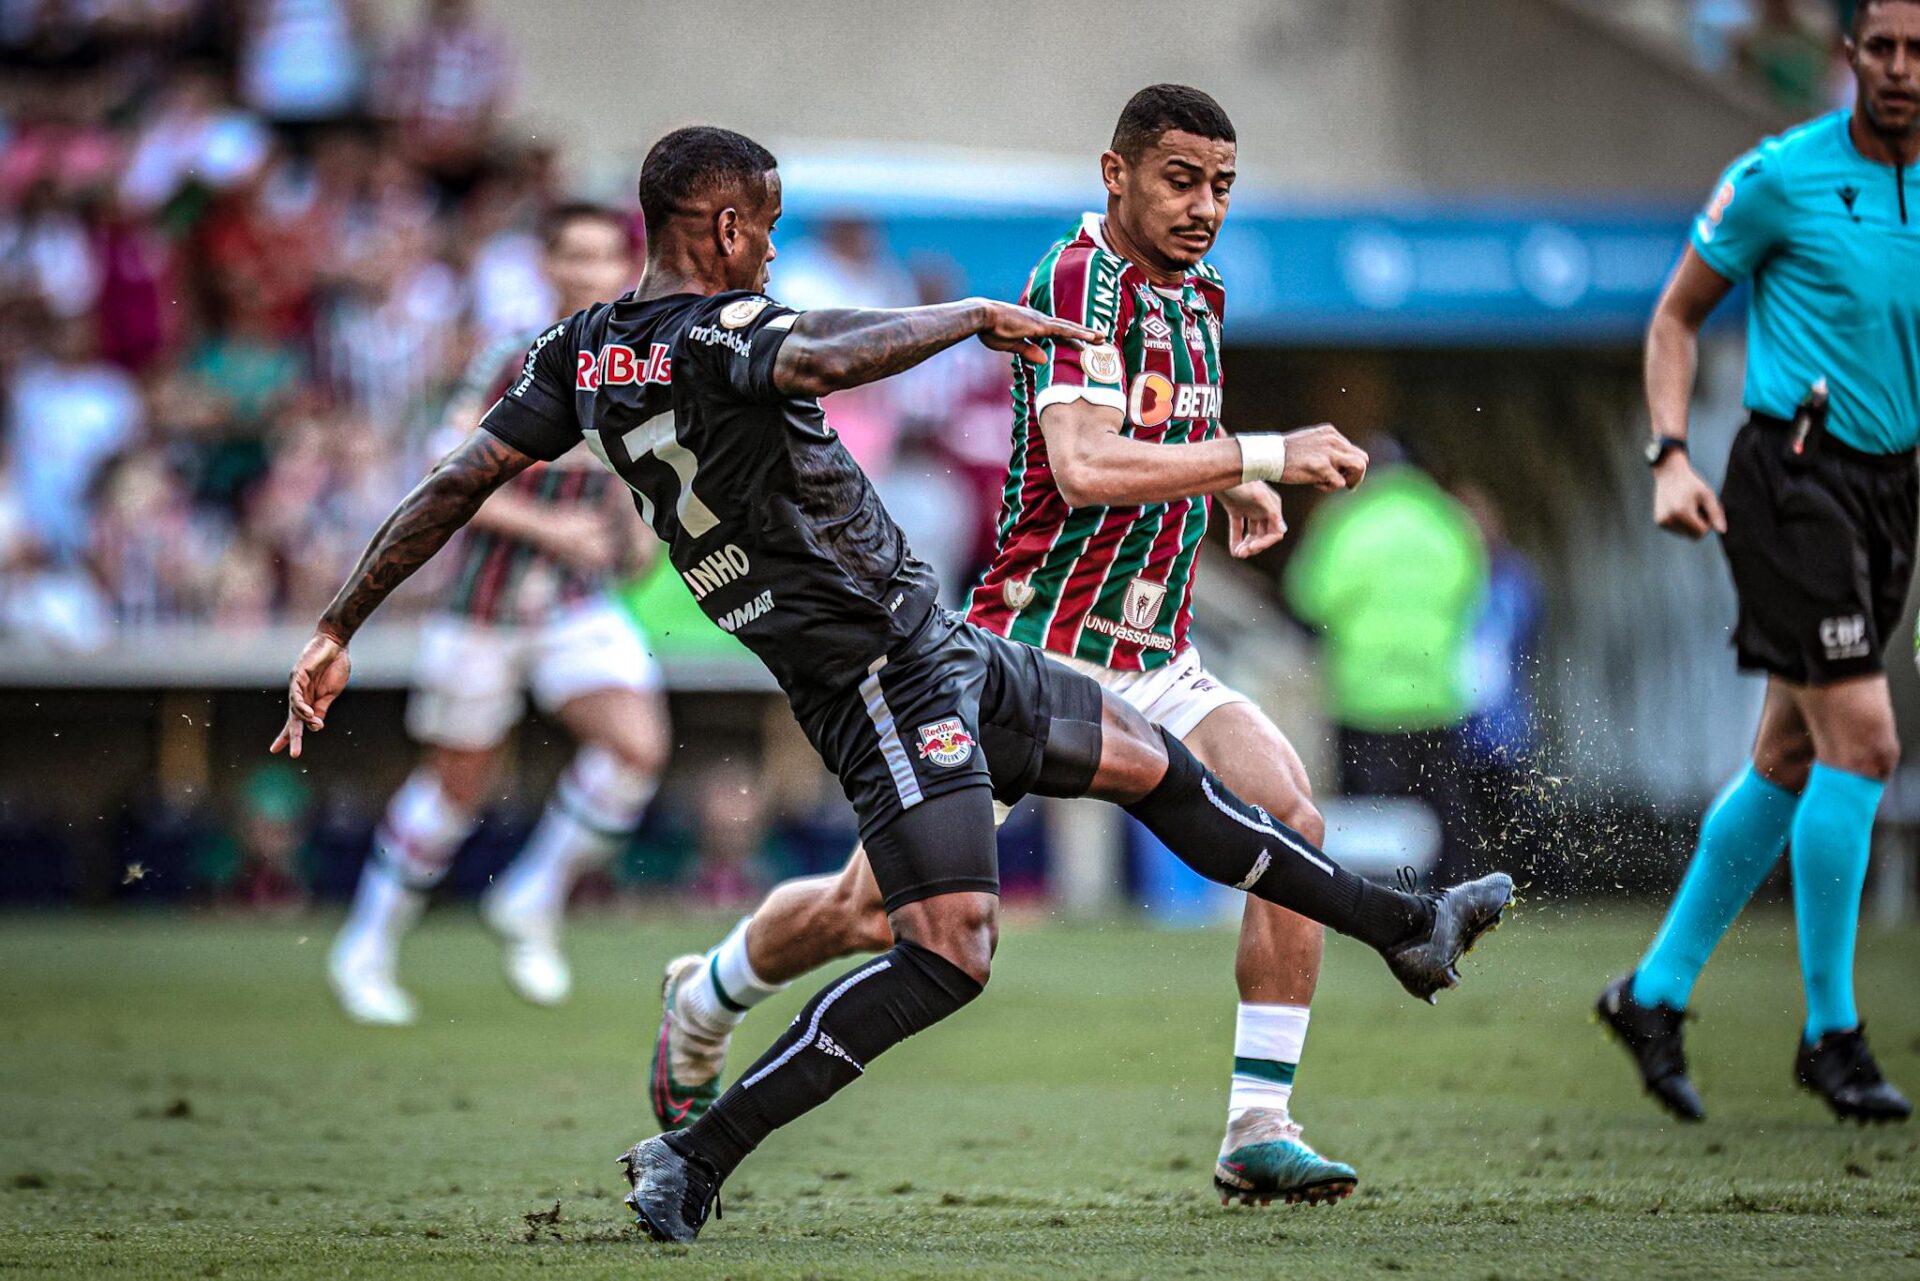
{"points": [[946, 742]]}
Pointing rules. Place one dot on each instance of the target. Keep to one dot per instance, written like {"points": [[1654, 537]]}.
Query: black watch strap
{"points": [[1660, 446]]}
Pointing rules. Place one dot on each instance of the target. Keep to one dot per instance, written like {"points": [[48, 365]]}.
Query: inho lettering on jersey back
{"points": [[716, 570]]}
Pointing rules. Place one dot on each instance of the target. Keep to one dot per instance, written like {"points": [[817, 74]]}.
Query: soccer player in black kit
{"points": [[702, 394]]}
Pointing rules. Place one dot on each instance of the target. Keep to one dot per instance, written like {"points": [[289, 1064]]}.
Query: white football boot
{"points": [[529, 935]]}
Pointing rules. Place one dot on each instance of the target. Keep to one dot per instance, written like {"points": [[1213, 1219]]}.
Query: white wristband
{"points": [[1263, 456]]}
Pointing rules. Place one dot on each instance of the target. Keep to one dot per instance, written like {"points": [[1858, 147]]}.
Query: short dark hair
{"points": [[688, 163], [563, 216], [1158, 108], [1862, 7]]}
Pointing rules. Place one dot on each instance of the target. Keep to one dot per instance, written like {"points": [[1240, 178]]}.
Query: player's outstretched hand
{"points": [[1022, 329], [1254, 519], [1682, 502], [1322, 457], [317, 680]]}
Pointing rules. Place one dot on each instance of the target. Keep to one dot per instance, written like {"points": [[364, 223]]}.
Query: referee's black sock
{"points": [[1227, 840], [853, 1020]]}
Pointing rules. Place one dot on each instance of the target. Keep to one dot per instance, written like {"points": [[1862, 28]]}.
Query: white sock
{"points": [[594, 808], [1267, 1040], [384, 909], [412, 849], [719, 996], [421, 832]]}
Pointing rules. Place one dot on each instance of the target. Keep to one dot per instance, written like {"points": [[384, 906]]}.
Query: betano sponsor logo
{"points": [[1155, 399]]}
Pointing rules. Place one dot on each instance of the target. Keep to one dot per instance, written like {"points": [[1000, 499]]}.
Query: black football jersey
{"points": [[770, 522]]}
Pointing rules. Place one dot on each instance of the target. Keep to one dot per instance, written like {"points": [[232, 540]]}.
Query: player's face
{"points": [[1174, 198], [1886, 61], [590, 261], [752, 251]]}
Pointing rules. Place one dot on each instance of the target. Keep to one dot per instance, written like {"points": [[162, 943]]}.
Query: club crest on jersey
{"points": [[1101, 363], [741, 311], [946, 742], [1141, 608], [1018, 593]]}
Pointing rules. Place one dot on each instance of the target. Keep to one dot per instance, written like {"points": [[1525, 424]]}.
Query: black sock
{"points": [[1227, 840], [847, 1025]]}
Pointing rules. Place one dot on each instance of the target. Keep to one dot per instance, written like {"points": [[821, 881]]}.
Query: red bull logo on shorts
{"points": [[946, 742]]}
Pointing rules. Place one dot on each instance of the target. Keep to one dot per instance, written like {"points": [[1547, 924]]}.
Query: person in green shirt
{"points": [[1392, 576]]}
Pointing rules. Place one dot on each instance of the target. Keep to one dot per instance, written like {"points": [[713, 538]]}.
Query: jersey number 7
{"points": [[656, 437]]}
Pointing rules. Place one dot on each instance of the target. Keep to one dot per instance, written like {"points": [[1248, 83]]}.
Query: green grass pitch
{"points": [[178, 1099]]}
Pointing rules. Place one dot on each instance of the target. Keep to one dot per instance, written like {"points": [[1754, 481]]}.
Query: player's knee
{"points": [[1304, 817], [462, 776], [1133, 758], [1873, 755], [962, 929], [639, 747], [605, 789]]}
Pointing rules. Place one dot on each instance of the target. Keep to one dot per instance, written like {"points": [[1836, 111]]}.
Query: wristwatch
{"points": [[1660, 446]]}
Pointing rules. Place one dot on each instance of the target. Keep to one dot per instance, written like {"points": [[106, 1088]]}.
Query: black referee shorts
{"points": [[1821, 548], [955, 707]]}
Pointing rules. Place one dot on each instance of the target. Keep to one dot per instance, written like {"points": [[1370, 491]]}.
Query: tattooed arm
{"points": [[425, 519], [833, 350]]}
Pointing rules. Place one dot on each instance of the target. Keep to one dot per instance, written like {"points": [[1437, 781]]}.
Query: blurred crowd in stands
{"points": [[243, 246], [246, 249]]}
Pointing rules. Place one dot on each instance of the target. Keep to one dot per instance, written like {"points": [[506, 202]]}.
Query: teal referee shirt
{"points": [[1831, 241]]}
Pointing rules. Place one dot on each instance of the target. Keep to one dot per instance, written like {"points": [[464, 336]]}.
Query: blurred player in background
{"points": [[1817, 519], [526, 611], [1100, 529]]}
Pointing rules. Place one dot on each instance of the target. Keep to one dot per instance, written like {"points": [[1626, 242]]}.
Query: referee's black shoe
{"points": [[672, 1191], [1840, 1069], [1461, 914], [1651, 1034]]}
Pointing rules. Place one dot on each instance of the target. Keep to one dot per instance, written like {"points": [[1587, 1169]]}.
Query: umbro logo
{"points": [[1848, 195]]}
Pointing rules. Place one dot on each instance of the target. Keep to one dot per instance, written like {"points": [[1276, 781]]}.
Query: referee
{"points": [[1817, 520]]}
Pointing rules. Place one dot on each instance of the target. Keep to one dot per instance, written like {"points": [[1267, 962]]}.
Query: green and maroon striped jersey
{"points": [[497, 578], [1109, 585]]}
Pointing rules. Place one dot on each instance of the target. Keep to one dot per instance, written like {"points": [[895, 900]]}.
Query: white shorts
{"points": [[1176, 696], [469, 678]]}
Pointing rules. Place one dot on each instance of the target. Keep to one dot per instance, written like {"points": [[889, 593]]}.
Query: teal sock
{"points": [[1740, 840], [1832, 839]]}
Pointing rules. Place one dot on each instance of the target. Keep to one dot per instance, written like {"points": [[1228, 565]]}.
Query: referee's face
{"points": [[1886, 61], [1174, 198]]}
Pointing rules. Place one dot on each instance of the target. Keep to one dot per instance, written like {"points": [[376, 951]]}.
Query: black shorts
{"points": [[1821, 548], [954, 707]]}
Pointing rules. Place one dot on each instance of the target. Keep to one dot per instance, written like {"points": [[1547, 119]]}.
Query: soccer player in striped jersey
{"points": [[526, 611], [1106, 500]]}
